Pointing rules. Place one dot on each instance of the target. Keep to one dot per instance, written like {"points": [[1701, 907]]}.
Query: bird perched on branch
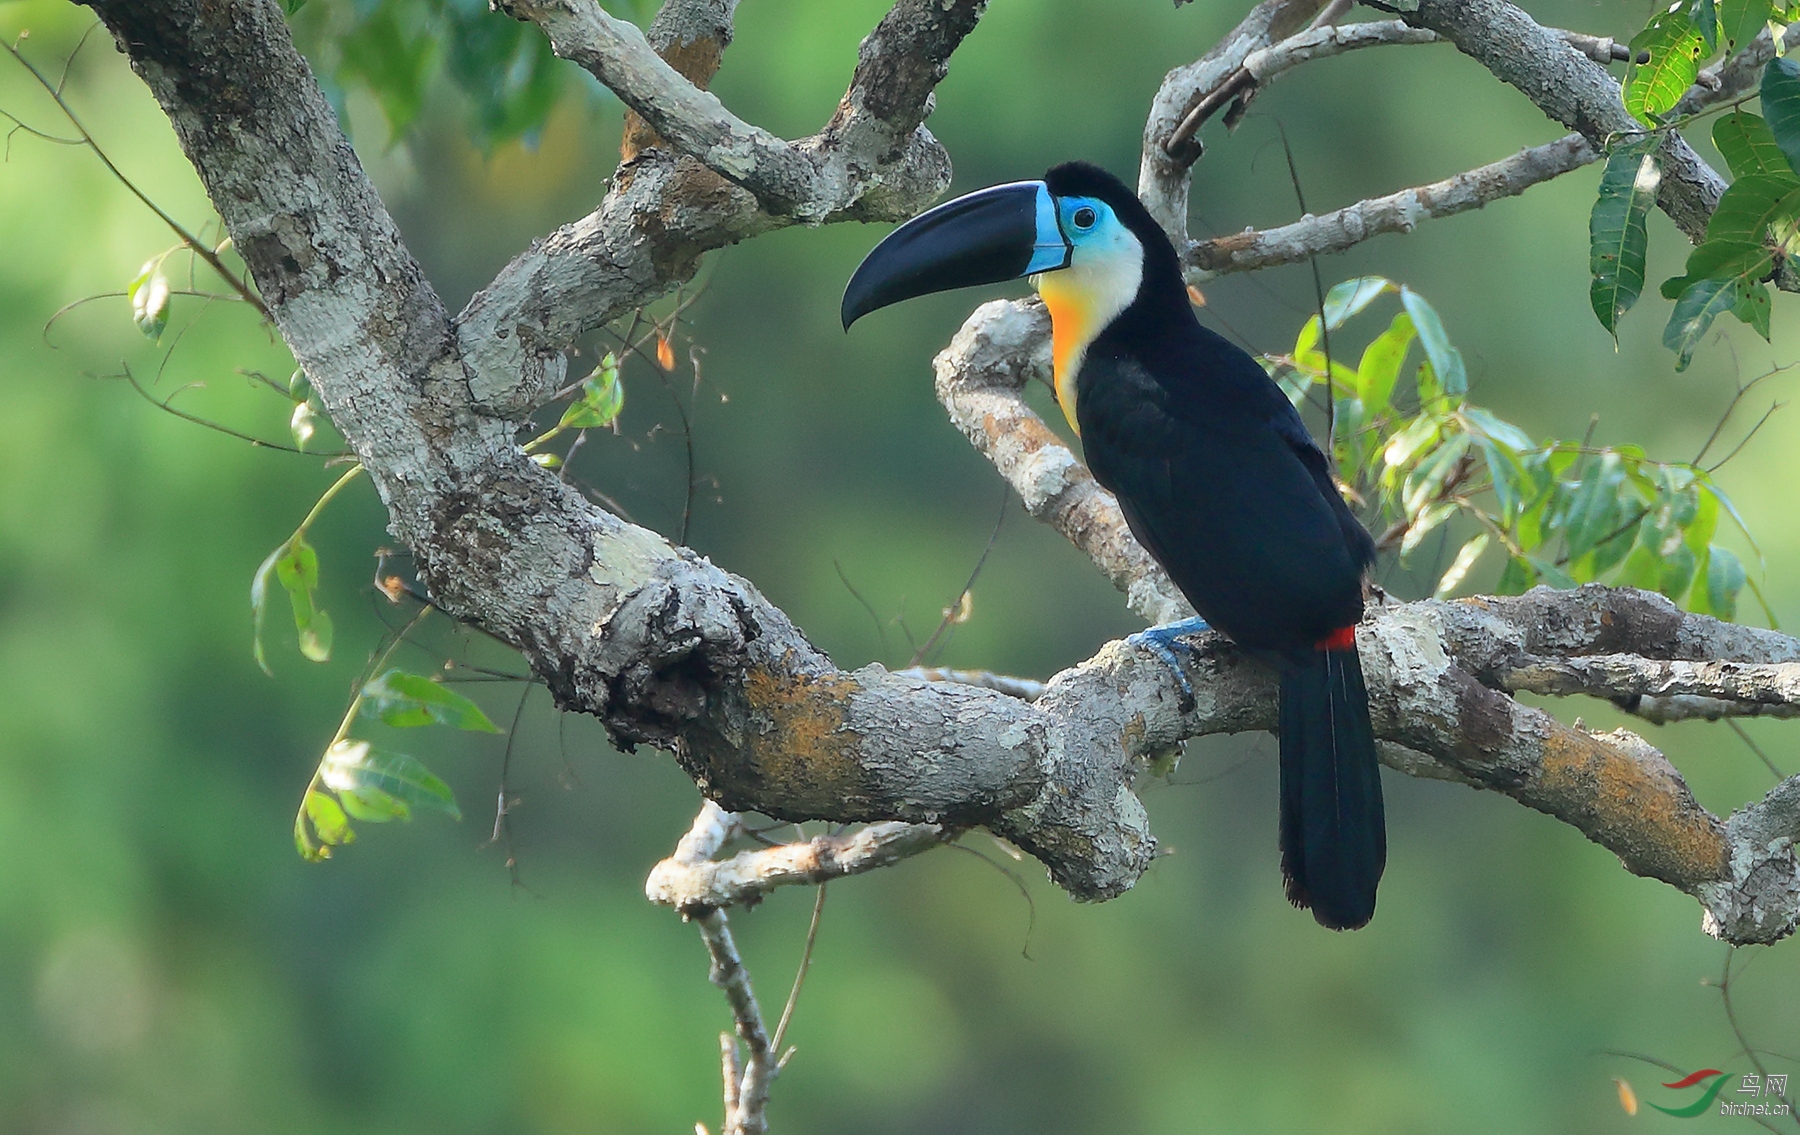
{"points": [[1214, 470]]}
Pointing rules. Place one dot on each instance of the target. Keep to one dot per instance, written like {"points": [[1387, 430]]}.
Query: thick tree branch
{"points": [[873, 161], [1397, 212], [695, 121], [1570, 88], [692, 36]]}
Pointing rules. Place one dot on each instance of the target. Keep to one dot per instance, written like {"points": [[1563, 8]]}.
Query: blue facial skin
{"points": [[1051, 249], [1064, 225]]}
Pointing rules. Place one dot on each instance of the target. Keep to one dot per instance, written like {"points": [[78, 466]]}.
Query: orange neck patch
{"points": [[1071, 317]]}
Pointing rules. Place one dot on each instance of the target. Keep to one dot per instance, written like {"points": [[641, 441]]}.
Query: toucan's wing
{"points": [[1224, 487]]}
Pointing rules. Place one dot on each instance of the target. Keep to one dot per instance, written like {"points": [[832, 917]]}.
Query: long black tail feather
{"points": [[1333, 833]]}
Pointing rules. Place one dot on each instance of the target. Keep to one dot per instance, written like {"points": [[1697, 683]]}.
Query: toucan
{"points": [[1213, 469]]}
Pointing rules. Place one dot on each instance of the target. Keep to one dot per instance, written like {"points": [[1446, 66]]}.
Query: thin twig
{"points": [[806, 956], [212, 259]]}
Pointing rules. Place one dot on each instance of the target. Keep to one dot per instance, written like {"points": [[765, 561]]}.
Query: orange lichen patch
{"points": [[1631, 806], [796, 738], [1030, 434]]}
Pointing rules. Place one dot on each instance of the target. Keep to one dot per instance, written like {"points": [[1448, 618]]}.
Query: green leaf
{"points": [[1446, 360], [1427, 481], [1720, 260], [1744, 141], [1381, 363], [1675, 47], [404, 700], [1725, 578], [297, 569], [1427, 521], [1518, 577], [1678, 569], [1699, 305], [1754, 307], [1459, 567], [1403, 446], [1704, 15], [1346, 299], [602, 397], [1753, 207], [1698, 531], [1594, 511], [1643, 568], [1739, 21], [1489, 425], [1309, 357], [1505, 474], [395, 67], [379, 784], [507, 70], [323, 817], [149, 294], [292, 6], [1781, 107], [1617, 238]]}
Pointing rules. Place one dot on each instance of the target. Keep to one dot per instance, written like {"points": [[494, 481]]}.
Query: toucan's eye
{"points": [[1084, 218]]}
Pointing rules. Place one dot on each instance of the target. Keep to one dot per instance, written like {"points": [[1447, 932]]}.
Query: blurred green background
{"points": [[169, 965]]}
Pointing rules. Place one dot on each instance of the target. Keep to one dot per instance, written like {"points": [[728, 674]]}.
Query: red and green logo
{"points": [[1706, 1099]]}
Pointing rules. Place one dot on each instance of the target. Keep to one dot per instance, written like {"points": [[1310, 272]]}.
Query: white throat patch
{"points": [[1100, 282]]}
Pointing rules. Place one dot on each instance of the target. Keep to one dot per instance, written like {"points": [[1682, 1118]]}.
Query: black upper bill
{"points": [[985, 237]]}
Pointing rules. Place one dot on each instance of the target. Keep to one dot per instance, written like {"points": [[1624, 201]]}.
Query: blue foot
{"points": [[1163, 640]]}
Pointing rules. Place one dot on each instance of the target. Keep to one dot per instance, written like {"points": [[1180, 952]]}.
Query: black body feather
{"points": [[1220, 481]]}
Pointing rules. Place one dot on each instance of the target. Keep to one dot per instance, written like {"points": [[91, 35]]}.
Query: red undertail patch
{"points": [[1344, 638]]}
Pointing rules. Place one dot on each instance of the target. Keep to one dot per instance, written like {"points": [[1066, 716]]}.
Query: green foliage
{"points": [[601, 398], [1562, 512], [404, 700], [1616, 235], [1757, 221], [1675, 46], [295, 566], [396, 50], [358, 781]]}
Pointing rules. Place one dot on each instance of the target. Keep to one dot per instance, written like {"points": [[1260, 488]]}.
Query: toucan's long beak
{"points": [[994, 234]]}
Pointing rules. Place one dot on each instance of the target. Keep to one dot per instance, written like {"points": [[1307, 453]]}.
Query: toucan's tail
{"points": [[1333, 835]]}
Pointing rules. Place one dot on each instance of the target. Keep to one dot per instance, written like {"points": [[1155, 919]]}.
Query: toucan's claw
{"points": [[1163, 641]]}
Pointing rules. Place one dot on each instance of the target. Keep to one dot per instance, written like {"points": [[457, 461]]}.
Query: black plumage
{"points": [[1222, 484]]}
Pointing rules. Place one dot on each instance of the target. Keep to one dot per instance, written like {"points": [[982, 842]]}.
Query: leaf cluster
{"points": [[1419, 454], [396, 49], [1753, 230]]}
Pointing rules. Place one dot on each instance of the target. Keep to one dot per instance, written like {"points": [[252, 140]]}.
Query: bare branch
{"points": [[1570, 88], [689, 885], [981, 377], [1162, 176], [1687, 707], [616, 52], [692, 36], [1627, 675], [873, 161], [1397, 212]]}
